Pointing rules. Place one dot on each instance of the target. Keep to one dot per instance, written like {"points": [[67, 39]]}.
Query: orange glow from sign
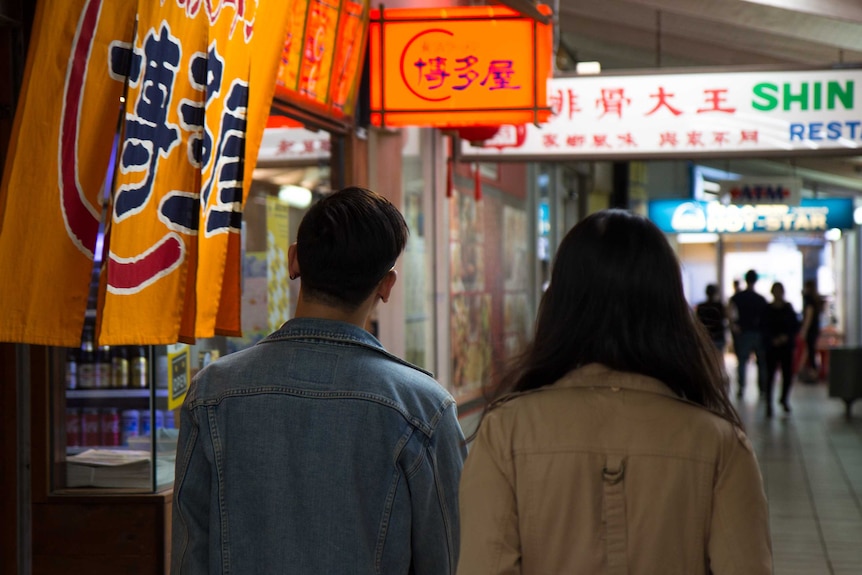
{"points": [[348, 56], [276, 121], [320, 25], [322, 55], [288, 70], [458, 66]]}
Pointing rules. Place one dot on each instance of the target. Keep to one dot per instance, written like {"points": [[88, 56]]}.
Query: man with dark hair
{"points": [[747, 307], [316, 451]]}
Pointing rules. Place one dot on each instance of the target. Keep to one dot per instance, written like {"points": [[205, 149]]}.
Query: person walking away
{"points": [[780, 326], [713, 316], [610, 446], [316, 451], [812, 309], [747, 308]]}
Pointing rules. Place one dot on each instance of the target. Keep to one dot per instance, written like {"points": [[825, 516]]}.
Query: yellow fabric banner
{"points": [[196, 107], [196, 104], [50, 197]]}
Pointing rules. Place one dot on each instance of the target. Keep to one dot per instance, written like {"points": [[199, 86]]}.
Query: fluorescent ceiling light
{"points": [[588, 68], [697, 238], [295, 196], [832, 235], [712, 187]]}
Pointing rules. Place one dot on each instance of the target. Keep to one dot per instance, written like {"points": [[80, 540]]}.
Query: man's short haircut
{"points": [[345, 245], [751, 277]]}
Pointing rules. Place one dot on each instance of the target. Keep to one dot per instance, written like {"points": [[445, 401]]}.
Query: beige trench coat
{"points": [[611, 473]]}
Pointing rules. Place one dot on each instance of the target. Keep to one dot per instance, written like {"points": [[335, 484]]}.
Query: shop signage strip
{"points": [[744, 191], [691, 216], [690, 115], [321, 60], [280, 145], [441, 67]]}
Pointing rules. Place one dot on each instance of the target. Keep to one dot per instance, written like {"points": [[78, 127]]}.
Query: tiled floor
{"points": [[811, 460]]}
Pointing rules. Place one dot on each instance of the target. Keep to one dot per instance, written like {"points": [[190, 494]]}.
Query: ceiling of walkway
{"points": [[638, 34]]}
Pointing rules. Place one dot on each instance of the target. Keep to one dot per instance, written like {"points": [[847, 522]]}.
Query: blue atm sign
{"points": [[690, 216]]}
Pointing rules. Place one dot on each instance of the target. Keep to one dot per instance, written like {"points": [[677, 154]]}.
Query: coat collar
{"points": [[596, 375]]}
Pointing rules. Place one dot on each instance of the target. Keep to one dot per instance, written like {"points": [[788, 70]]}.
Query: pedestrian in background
{"points": [[612, 447], [316, 451], [713, 316], [812, 310], [780, 326], [747, 307]]}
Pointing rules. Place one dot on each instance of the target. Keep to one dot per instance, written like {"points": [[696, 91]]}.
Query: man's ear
{"points": [[384, 288], [292, 262]]}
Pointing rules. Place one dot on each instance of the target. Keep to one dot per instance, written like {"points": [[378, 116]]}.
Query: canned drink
{"points": [[146, 422], [73, 427], [160, 419], [110, 428], [169, 419], [90, 427], [129, 425], [86, 375]]}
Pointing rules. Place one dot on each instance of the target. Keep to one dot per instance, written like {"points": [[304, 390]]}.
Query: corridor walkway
{"points": [[811, 460]]}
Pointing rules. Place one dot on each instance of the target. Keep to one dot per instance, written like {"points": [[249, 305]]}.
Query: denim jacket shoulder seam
{"points": [[427, 428], [347, 340]]}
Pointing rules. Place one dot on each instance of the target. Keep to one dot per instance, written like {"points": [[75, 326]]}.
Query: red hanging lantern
{"points": [[476, 134]]}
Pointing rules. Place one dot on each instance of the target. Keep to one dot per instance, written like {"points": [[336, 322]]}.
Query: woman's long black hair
{"points": [[616, 298]]}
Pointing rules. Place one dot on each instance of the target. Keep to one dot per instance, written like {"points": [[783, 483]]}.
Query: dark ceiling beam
{"points": [[840, 32], [527, 8]]}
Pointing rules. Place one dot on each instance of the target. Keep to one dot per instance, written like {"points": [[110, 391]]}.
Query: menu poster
{"points": [[470, 301]]}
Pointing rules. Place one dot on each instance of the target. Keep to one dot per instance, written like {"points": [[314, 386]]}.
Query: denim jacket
{"points": [[316, 452]]}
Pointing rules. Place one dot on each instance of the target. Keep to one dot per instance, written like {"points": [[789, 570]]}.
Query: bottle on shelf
{"points": [[110, 424], [87, 362], [102, 369], [139, 369], [72, 368], [120, 366]]}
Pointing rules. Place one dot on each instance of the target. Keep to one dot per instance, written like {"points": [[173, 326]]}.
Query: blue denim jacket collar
{"points": [[311, 328]]}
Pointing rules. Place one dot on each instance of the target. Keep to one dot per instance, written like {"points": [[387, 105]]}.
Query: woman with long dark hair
{"points": [[611, 445]]}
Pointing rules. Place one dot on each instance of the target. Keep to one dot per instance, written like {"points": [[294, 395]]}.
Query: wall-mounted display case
{"points": [[117, 414], [117, 430]]}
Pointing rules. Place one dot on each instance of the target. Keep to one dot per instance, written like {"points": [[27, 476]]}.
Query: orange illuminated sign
{"points": [[458, 66], [322, 55]]}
